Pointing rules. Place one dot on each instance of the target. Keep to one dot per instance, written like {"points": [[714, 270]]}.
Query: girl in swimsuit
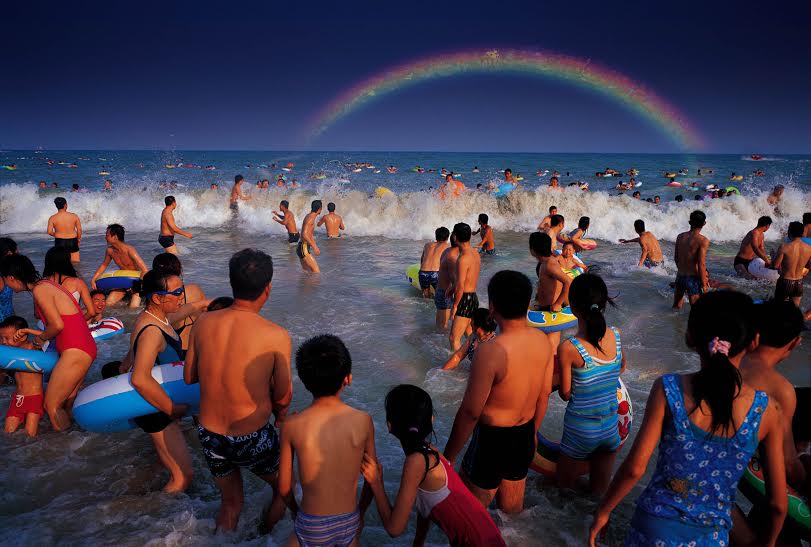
{"points": [[428, 481], [171, 263], [59, 269], [65, 324], [484, 329]]}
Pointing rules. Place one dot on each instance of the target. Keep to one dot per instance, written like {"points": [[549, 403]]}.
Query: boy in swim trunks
{"points": [[651, 256], [692, 278], [66, 229], [329, 438], [430, 261], [242, 362], [237, 194], [465, 301], [488, 242], [333, 222], [752, 247], [505, 400], [126, 258], [307, 247], [793, 262], [443, 298], [26, 402], [285, 217], [166, 239]]}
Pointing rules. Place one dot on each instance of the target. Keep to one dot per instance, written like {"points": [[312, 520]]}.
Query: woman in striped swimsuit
{"points": [[589, 377]]}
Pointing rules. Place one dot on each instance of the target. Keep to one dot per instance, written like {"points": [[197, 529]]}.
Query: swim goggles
{"points": [[177, 292]]}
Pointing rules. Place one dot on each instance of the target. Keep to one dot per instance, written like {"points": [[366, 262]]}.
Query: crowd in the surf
{"points": [[707, 425]]}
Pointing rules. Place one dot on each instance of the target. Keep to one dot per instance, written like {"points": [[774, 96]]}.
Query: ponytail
{"points": [[410, 412], [718, 384], [588, 297], [595, 326]]}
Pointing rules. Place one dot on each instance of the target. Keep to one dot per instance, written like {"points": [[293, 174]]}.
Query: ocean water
{"points": [[80, 488]]}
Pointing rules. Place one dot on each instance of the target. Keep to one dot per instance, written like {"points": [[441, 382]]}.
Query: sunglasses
{"points": [[177, 292]]}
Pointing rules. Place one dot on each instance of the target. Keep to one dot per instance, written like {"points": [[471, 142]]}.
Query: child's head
{"points": [[780, 326], [220, 303], [324, 365], [483, 323], [720, 326], [9, 326], [509, 293], [588, 297], [99, 301], [410, 417], [567, 250]]}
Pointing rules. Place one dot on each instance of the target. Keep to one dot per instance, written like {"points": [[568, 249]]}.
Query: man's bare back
{"points": [[552, 281], [793, 258], [650, 246], [751, 244], [432, 255], [64, 225], [334, 224], [690, 251], [447, 267]]}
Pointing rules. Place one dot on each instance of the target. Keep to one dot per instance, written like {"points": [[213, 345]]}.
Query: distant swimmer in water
{"points": [[333, 222], [546, 222], [774, 197], [285, 217], [108, 185], [430, 261], [554, 183], [637, 195], [753, 247], [66, 229], [443, 298], [451, 188], [476, 169], [488, 242], [168, 226], [692, 277], [307, 246], [237, 193], [465, 300], [651, 256], [508, 177], [126, 258], [214, 187], [793, 262]]}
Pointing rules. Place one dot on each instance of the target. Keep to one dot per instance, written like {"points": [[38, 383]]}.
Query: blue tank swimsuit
{"points": [[6, 305], [689, 498], [590, 422]]}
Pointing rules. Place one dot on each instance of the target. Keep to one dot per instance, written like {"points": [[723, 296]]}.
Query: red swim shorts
{"points": [[24, 404]]}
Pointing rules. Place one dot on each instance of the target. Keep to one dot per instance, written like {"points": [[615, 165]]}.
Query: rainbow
{"points": [[581, 72]]}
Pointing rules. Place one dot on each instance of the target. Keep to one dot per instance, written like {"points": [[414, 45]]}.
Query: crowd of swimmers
{"points": [[706, 425]]}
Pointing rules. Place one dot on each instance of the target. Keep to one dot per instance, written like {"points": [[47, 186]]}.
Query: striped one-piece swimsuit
{"points": [[590, 422]]}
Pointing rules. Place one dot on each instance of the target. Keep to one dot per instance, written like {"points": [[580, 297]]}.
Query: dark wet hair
{"points": [[509, 293], [284, 203], [795, 229], [154, 281], [316, 205], [462, 232], [7, 246], [116, 230], [588, 296], [322, 363], [74, 186], [483, 218], [442, 234], [168, 200], [60, 203], [680, 198], [57, 261], [569, 243], [508, 170], [19, 267], [250, 271], [806, 218], [778, 323], [554, 220], [764, 221], [331, 207], [697, 219], [728, 316], [483, 320], [168, 262], [238, 179], [410, 412], [220, 303], [94, 292], [552, 208], [540, 243], [639, 226], [14, 321], [583, 223]]}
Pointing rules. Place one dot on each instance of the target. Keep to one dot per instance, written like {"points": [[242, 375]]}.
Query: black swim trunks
{"points": [[166, 241], [258, 451], [743, 262], [648, 263], [441, 301], [690, 284], [428, 279], [788, 288], [467, 305], [499, 453], [71, 244], [293, 238], [302, 249]]}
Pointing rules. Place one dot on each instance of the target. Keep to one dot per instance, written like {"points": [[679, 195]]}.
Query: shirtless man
{"points": [[488, 243], [555, 230], [329, 439], [237, 194], [125, 257], [333, 222], [466, 277], [66, 229], [546, 222], [508, 177], [285, 217], [554, 183], [793, 261], [168, 226], [242, 362], [430, 260], [753, 247], [306, 247], [651, 256], [807, 225], [443, 297], [553, 282], [505, 400], [692, 277], [774, 197]]}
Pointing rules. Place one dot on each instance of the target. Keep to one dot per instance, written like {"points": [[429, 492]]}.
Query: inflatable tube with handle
{"points": [[27, 360], [753, 486], [117, 280], [413, 275], [548, 321]]}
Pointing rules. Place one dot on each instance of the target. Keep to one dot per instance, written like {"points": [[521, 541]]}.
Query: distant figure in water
{"points": [[307, 247], [166, 239], [66, 229], [774, 197], [285, 217], [651, 256], [430, 260], [237, 193], [692, 278], [334, 223], [488, 243]]}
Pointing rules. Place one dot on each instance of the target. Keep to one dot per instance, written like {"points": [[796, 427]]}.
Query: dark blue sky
{"points": [[239, 75]]}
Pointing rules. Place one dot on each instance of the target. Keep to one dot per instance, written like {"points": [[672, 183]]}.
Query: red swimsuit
{"points": [[75, 334]]}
